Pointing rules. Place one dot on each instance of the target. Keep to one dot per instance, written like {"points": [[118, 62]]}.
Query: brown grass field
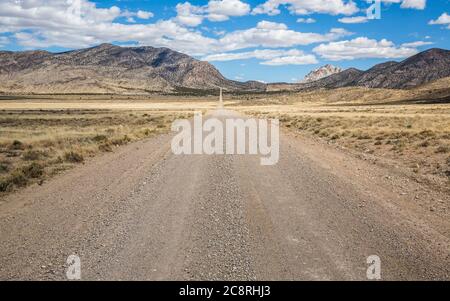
{"points": [[40, 136], [408, 128], [36, 144]]}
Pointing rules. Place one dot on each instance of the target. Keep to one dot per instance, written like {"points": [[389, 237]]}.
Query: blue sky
{"points": [[266, 40]]}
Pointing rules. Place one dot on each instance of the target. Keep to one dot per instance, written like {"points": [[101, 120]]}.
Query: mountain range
{"points": [[110, 69], [419, 69], [113, 69]]}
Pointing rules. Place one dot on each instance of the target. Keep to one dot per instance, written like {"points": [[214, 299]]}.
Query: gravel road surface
{"points": [[142, 213]]}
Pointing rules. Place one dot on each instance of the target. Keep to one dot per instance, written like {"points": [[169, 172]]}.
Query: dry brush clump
{"points": [[35, 145]]}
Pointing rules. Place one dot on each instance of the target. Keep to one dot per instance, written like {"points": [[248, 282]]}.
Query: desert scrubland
{"points": [[41, 138], [41, 135]]}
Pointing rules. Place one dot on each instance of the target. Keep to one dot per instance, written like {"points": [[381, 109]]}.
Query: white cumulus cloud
{"points": [[141, 14], [271, 57], [228, 8], [292, 60], [262, 54], [416, 44], [215, 11], [306, 20], [275, 35], [443, 19], [188, 14], [302, 7], [48, 23], [353, 20], [414, 4], [362, 47]]}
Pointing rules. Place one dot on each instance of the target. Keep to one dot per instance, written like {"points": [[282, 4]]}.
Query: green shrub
{"points": [[17, 178], [33, 155], [3, 185], [100, 138], [105, 147], [16, 145], [4, 167], [147, 132], [34, 170]]}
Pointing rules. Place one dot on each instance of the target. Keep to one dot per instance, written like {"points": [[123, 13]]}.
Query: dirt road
{"points": [[143, 213]]}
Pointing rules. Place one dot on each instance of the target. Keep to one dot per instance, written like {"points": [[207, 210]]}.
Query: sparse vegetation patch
{"points": [[36, 145], [416, 136]]}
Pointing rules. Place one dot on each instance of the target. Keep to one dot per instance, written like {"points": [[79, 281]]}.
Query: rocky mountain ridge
{"points": [[111, 69], [139, 70], [321, 72]]}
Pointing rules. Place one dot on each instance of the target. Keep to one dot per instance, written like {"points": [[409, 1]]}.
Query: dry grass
{"points": [[40, 136], [38, 144], [416, 136]]}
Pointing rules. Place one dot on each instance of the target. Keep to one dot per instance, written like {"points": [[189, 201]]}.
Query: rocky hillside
{"points": [[342, 79], [110, 69], [321, 72], [419, 69]]}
